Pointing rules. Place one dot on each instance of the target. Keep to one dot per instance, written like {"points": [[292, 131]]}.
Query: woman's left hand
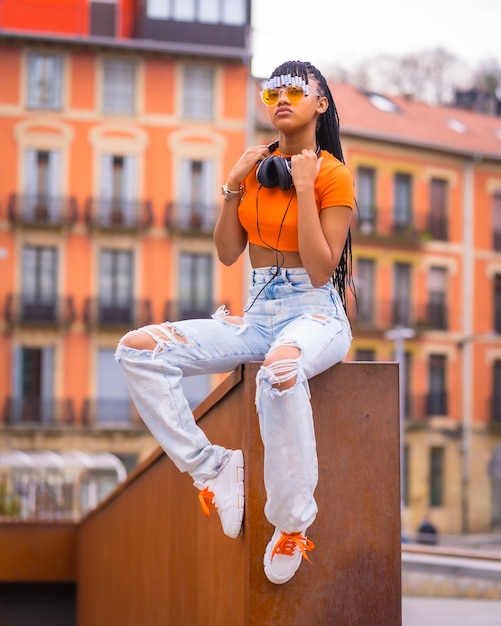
{"points": [[305, 168]]}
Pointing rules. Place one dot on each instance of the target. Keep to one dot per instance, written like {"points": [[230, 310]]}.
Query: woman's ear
{"points": [[323, 104]]}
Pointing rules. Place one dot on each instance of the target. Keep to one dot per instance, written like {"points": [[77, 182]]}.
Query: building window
{"points": [[195, 285], [365, 354], [437, 298], [42, 185], [116, 286], [401, 294], [437, 476], [196, 207], [406, 475], [45, 81], [113, 400], [231, 12], [39, 283], [497, 303], [33, 384], [437, 220], [496, 392], [119, 84], [198, 93], [496, 221], [366, 199], [437, 397], [118, 189], [402, 209], [365, 291]]}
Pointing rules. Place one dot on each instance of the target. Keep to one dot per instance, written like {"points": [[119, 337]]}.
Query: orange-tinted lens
{"points": [[270, 96], [295, 93]]}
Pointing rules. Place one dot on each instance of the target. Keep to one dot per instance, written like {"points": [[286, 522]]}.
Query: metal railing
{"points": [[42, 210]]}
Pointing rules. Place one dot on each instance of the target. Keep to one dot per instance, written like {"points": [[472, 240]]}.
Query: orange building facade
{"points": [[118, 123]]}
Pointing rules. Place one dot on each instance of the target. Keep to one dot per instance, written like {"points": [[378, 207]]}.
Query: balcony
{"points": [[193, 218], [383, 224], [365, 221], [111, 414], [119, 214], [436, 316], [36, 411], [436, 403], [437, 228], [42, 211], [29, 310], [176, 310], [379, 316], [99, 313]]}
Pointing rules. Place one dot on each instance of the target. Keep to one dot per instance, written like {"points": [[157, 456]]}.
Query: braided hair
{"points": [[328, 138]]}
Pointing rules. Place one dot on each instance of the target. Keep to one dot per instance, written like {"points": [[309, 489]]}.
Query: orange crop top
{"points": [[270, 215]]}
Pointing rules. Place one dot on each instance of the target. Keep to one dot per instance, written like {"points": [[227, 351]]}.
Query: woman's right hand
{"points": [[245, 164]]}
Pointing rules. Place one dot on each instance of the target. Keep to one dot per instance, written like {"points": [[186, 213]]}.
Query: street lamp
{"points": [[464, 346], [399, 334]]}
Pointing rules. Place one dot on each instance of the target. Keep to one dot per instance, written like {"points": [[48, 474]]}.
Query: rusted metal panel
{"points": [[148, 555], [38, 552]]}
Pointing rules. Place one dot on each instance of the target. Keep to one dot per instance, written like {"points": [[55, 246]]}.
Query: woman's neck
{"points": [[294, 145]]}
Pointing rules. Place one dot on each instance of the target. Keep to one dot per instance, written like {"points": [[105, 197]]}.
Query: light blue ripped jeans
{"points": [[282, 310]]}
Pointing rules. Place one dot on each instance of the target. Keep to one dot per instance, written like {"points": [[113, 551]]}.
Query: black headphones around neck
{"points": [[275, 170]]}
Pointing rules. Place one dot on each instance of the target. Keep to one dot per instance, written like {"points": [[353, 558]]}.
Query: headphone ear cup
{"points": [[283, 167], [274, 171]]}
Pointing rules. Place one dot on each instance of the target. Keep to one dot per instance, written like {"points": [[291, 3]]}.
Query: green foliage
{"points": [[10, 505]]}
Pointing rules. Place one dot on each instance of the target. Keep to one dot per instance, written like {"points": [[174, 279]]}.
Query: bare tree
{"points": [[430, 75]]}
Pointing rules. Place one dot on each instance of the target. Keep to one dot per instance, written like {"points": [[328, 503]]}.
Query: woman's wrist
{"points": [[229, 193]]}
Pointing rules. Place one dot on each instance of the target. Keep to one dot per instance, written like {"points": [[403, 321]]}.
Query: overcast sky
{"points": [[329, 32]]}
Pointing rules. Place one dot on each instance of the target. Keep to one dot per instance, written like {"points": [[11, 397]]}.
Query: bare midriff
{"points": [[265, 257]]}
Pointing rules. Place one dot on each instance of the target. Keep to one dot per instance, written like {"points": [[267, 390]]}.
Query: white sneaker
{"points": [[226, 494], [283, 555]]}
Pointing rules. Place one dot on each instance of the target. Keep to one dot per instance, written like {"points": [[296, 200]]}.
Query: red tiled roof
{"points": [[414, 123], [417, 123]]}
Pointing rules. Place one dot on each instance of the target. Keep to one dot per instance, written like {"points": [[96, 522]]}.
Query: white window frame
{"points": [[119, 78], [45, 81]]}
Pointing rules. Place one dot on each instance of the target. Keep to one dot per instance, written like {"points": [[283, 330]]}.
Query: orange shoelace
{"points": [[205, 497], [289, 542]]}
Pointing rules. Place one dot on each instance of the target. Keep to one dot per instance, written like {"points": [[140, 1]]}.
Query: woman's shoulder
{"points": [[332, 166], [330, 161]]}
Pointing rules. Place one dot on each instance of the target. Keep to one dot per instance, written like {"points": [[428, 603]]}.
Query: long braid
{"points": [[328, 138]]}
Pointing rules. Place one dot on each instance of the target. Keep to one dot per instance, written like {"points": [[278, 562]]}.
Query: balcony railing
{"points": [[112, 414], [38, 411], [191, 217], [179, 310], [130, 314], [436, 403], [118, 214], [436, 316], [438, 228], [365, 221], [42, 211], [39, 310]]}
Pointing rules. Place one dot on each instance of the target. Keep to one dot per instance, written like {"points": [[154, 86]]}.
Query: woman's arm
{"points": [[229, 236], [321, 237]]}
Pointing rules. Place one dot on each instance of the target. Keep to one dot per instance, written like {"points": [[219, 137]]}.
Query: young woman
{"points": [[290, 204]]}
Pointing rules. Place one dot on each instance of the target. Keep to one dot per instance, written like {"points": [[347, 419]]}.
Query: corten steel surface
{"points": [[38, 552], [148, 557]]}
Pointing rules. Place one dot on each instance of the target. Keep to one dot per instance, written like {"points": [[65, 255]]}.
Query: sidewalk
{"points": [[418, 611]]}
